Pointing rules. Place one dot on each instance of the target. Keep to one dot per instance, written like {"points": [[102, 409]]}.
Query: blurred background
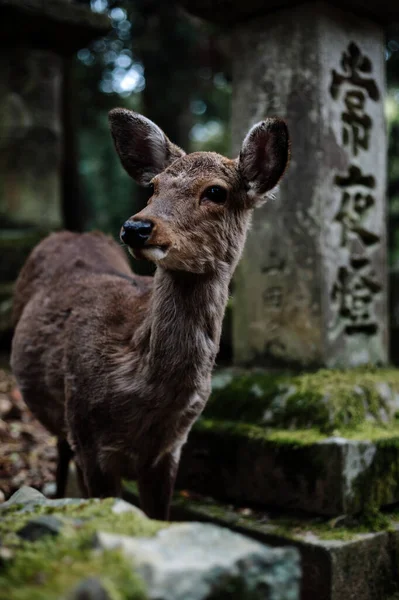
{"points": [[147, 55]]}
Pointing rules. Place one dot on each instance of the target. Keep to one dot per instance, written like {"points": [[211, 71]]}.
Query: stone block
{"points": [[297, 470], [311, 288], [194, 561]]}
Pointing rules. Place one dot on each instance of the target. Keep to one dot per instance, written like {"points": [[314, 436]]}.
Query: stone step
{"points": [[299, 470], [340, 558], [325, 442]]}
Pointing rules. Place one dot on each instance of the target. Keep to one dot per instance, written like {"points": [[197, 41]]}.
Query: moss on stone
{"points": [[383, 436], [50, 567], [375, 479], [291, 527], [325, 400]]}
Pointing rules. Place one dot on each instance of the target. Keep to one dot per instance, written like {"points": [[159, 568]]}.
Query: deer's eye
{"points": [[215, 193]]}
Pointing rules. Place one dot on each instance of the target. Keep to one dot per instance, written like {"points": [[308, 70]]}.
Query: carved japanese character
{"points": [[355, 177], [354, 65], [353, 209], [357, 124], [354, 291]]}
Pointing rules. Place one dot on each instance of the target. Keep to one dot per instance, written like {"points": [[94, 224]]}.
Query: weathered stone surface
{"points": [[29, 498], [30, 119], [329, 476], [25, 495], [196, 562], [311, 288]]}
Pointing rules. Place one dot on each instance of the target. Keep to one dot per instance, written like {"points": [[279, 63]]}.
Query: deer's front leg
{"points": [[156, 482]]}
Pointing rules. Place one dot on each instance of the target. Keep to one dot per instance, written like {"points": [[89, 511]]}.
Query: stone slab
{"points": [[194, 561], [332, 476]]}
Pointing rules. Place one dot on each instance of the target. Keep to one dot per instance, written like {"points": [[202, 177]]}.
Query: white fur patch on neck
{"points": [[154, 253]]}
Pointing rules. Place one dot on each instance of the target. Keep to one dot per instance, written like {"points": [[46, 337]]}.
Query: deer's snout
{"points": [[136, 233]]}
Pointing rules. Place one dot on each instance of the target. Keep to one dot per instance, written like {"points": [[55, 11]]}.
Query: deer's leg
{"points": [[156, 482], [65, 453], [99, 481]]}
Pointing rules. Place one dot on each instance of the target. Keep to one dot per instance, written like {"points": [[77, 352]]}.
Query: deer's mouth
{"points": [[150, 252]]}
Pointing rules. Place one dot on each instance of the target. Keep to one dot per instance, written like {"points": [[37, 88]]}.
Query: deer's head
{"points": [[200, 203]]}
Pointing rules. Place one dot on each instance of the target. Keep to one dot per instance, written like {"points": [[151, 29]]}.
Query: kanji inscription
{"points": [[357, 284]]}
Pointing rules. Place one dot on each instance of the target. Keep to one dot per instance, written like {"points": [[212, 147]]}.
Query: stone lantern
{"points": [[36, 37], [311, 289]]}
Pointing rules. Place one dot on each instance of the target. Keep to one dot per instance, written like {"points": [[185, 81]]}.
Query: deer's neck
{"points": [[181, 334]]}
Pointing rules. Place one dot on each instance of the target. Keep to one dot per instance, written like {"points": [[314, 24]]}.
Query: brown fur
{"points": [[120, 365]]}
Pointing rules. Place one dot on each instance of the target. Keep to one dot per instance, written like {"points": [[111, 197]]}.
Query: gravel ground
{"points": [[27, 451]]}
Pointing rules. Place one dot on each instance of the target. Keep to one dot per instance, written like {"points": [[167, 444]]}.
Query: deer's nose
{"points": [[136, 233]]}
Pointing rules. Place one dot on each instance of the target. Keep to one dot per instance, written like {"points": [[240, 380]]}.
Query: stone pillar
{"points": [[35, 36], [30, 137], [311, 288]]}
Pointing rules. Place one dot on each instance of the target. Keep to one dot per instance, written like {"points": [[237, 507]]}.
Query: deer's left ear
{"points": [[264, 157]]}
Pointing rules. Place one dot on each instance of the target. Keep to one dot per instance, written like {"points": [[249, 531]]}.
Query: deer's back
{"points": [[73, 287]]}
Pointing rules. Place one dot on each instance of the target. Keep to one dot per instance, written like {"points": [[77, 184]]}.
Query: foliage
{"points": [[157, 60]]}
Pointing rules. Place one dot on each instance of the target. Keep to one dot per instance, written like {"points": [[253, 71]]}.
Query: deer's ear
{"points": [[143, 148], [264, 157]]}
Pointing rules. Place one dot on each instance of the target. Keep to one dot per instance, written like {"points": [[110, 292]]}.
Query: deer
{"points": [[118, 366]]}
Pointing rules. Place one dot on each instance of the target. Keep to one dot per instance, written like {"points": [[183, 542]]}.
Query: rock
{"points": [[29, 497], [89, 589], [25, 495], [194, 561], [40, 527], [121, 506]]}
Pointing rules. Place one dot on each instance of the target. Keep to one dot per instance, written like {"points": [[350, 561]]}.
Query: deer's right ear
{"points": [[143, 148], [264, 157]]}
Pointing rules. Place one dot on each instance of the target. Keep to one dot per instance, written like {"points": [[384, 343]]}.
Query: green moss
{"points": [[325, 400], [292, 527], [383, 436], [50, 567]]}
